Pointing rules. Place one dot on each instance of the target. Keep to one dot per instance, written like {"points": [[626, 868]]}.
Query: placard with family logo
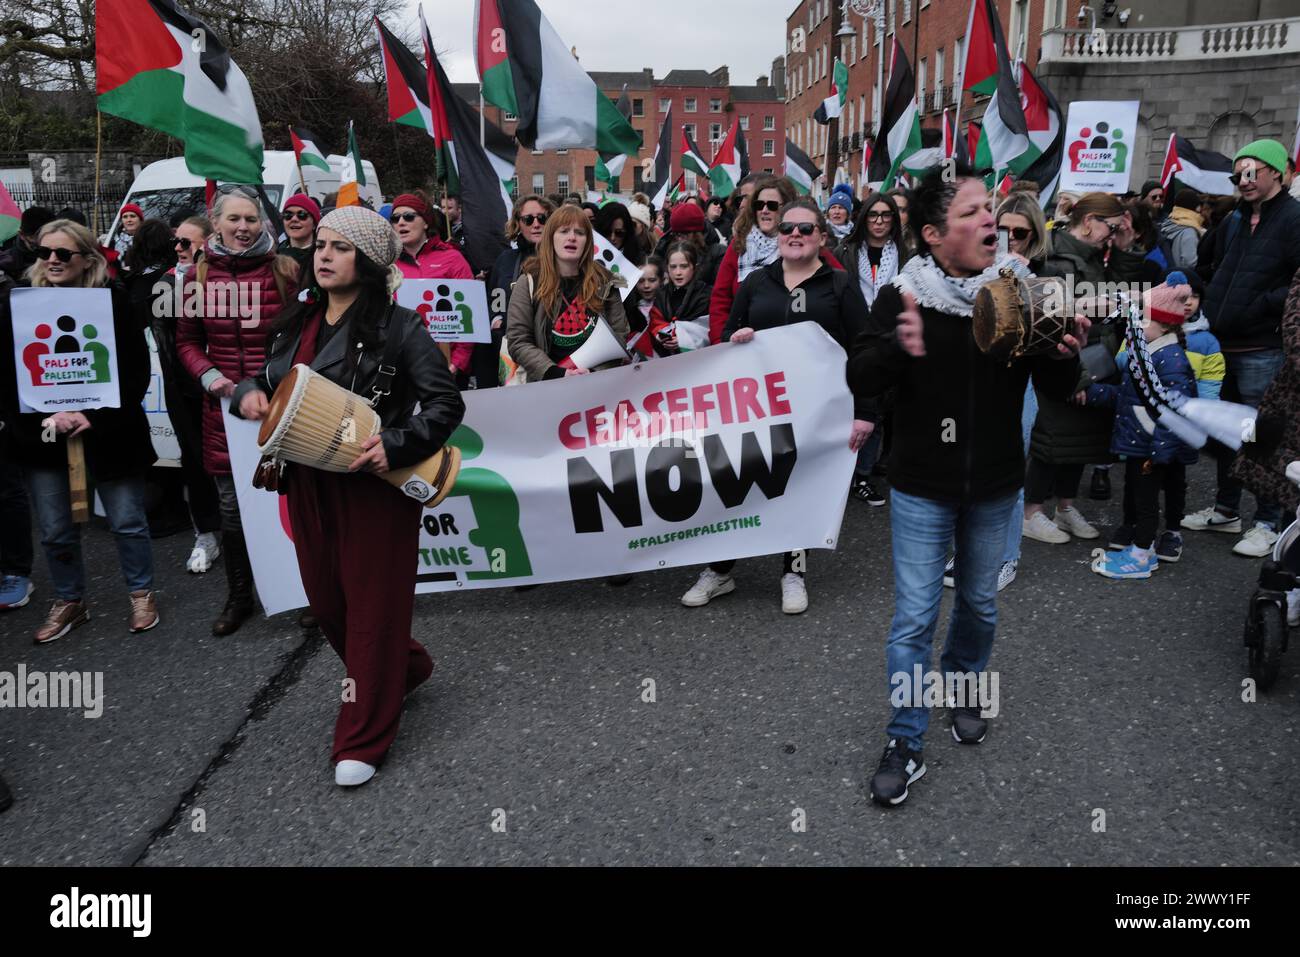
{"points": [[453, 310], [1099, 145], [65, 353]]}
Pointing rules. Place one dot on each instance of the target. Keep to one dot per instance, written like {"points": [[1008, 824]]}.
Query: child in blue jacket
{"points": [[1153, 462]]}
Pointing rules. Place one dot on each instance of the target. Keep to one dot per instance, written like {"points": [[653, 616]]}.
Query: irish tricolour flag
{"points": [[353, 175], [163, 68]]}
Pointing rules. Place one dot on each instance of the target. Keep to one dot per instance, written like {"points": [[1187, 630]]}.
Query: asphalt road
{"points": [[1121, 705]]}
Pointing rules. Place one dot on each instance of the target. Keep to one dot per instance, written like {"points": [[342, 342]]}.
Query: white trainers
{"points": [[206, 552], [1293, 607], [1006, 574], [1071, 520], [1256, 543], [1042, 529], [794, 594], [1212, 520], [709, 587], [350, 774]]}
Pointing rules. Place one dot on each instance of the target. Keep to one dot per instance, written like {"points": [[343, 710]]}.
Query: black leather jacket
{"points": [[422, 377]]}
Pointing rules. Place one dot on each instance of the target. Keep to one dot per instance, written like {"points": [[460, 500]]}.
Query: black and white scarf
{"points": [[932, 288], [885, 272], [760, 250]]}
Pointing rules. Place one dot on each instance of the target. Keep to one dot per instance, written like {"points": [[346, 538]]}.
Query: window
{"points": [[1019, 28], [715, 132], [589, 176], [958, 66], [920, 85], [689, 129], [907, 11], [537, 152], [638, 107], [690, 104], [562, 184], [826, 61], [665, 105], [715, 106], [539, 183], [862, 111], [561, 152], [853, 49], [893, 15], [769, 124], [938, 80], [690, 181], [744, 122], [514, 188]]}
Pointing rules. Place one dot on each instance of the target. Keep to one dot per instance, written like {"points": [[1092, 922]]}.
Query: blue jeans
{"points": [[923, 529], [1248, 377], [869, 453], [1027, 416], [123, 501]]}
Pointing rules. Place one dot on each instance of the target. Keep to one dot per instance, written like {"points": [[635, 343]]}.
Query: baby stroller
{"points": [[1267, 632]]}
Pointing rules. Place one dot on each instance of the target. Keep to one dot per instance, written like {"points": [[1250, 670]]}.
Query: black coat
{"points": [[957, 411], [503, 274], [688, 303], [831, 298], [422, 377], [118, 444], [1246, 298]]}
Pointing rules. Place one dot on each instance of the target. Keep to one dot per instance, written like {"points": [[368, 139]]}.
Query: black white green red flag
{"points": [[407, 82], [899, 135]]}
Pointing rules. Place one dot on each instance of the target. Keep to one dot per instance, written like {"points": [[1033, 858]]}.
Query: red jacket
{"points": [[221, 341], [728, 281], [440, 260]]}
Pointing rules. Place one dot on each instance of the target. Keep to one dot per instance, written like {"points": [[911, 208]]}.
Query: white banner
{"points": [[65, 353], [730, 452], [453, 310], [1100, 138], [608, 255], [165, 443]]}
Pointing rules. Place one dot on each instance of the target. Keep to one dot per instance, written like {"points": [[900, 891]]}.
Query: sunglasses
{"points": [[404, 217], [804, 229], [64, 255], [1021, 233], [538, 218], [292, 214], [182, 244], [880, 217], [1245, 176], [771, 205]]}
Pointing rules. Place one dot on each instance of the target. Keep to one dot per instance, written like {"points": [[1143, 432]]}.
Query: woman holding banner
{"points": [[356, 536], [798, 287], [221, 340], [561, 300], [118, 446]]}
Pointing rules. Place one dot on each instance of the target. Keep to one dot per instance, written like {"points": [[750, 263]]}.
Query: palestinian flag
{"points": [[742, 150], [306, 148], [148, 72], [833, 105], [988, 71], [1042, 161], [10, 216], [724, 175], [1201, 170], [610, 168], [663, 162], [478, 175], [800, 168], [407, 82], [526, 69], [692, 159], [352, 176], [973, 133], [899, 135], [679, 187]]}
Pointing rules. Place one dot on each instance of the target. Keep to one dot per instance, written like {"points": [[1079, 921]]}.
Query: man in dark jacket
{"points": [[21, 255], [1257, 252]]}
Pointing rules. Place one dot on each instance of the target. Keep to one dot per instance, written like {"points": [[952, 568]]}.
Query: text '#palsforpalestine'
{"points": [[717, 528]]}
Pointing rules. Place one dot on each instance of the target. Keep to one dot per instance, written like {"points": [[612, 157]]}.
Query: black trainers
{"points": [[1169, 547], [1120, 538], [967, 725], [1099, 489], [864, 491], [899, 767]]}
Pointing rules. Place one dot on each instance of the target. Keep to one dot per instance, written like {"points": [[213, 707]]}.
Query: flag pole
{"points": [[99, 153], [298, 163]]}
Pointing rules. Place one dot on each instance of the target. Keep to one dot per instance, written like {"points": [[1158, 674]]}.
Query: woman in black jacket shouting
{"points": [[356, 536], [797, 287], [958, 458]]}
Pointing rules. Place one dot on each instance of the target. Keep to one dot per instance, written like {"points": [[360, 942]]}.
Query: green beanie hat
{"points": [[1270, 152]]}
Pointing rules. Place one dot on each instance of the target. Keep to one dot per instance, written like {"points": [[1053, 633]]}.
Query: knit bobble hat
{"points": [[306, 203], [1164, 304], [841, 197], [641, 213], [687, 218], [1269, 152], [132, 208], [373, 236]]}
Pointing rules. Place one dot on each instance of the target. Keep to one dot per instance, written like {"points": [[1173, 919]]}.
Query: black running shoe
{"points": [[864, 491], [967, 725], [1121, 538], [899, 767], [1099, 489], [1169, 547]]}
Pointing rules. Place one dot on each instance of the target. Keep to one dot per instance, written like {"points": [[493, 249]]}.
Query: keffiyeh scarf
{"points": [[760, 250], [935, 289]]}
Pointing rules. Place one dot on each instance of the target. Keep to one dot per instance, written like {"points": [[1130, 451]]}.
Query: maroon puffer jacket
{"points": [[223, 339]]}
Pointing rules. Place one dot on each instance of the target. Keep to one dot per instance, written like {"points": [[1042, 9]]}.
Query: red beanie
{"points": [[686, 218], [303, 201], [1164, 304], [414, 202], [132, 208]]}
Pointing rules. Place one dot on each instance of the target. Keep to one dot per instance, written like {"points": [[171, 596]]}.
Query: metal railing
{"points": [[57, 196], [1214, 41]]}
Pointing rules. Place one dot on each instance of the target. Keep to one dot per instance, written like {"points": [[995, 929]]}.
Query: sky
{"points": [[631, 34]]}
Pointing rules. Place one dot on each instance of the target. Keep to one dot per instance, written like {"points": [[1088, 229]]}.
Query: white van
{"points": [[166, 189]]}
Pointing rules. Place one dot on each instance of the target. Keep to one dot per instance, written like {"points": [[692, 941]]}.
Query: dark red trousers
{"points": [[356, 538]]}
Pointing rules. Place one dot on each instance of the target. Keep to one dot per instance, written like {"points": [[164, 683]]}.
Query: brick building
{"points": [[705, 100]]}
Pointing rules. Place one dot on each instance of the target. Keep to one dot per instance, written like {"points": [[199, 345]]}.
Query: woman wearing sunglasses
{"points": [[118, 446], [766, 300], [427, 255], [300, 216], [523, 232], [221, 341]]}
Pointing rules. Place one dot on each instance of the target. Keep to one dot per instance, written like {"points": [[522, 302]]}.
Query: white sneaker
{"points": [[1006, 574], [794, 594], [950, 573], [1212, 520], [1042, 529], [1071, 520], [206, 552], [1256, 543], [350, 774], [1293, 607], [709, 587]]}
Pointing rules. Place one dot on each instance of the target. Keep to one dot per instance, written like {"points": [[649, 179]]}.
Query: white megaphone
{"points": [[601, 346]]}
